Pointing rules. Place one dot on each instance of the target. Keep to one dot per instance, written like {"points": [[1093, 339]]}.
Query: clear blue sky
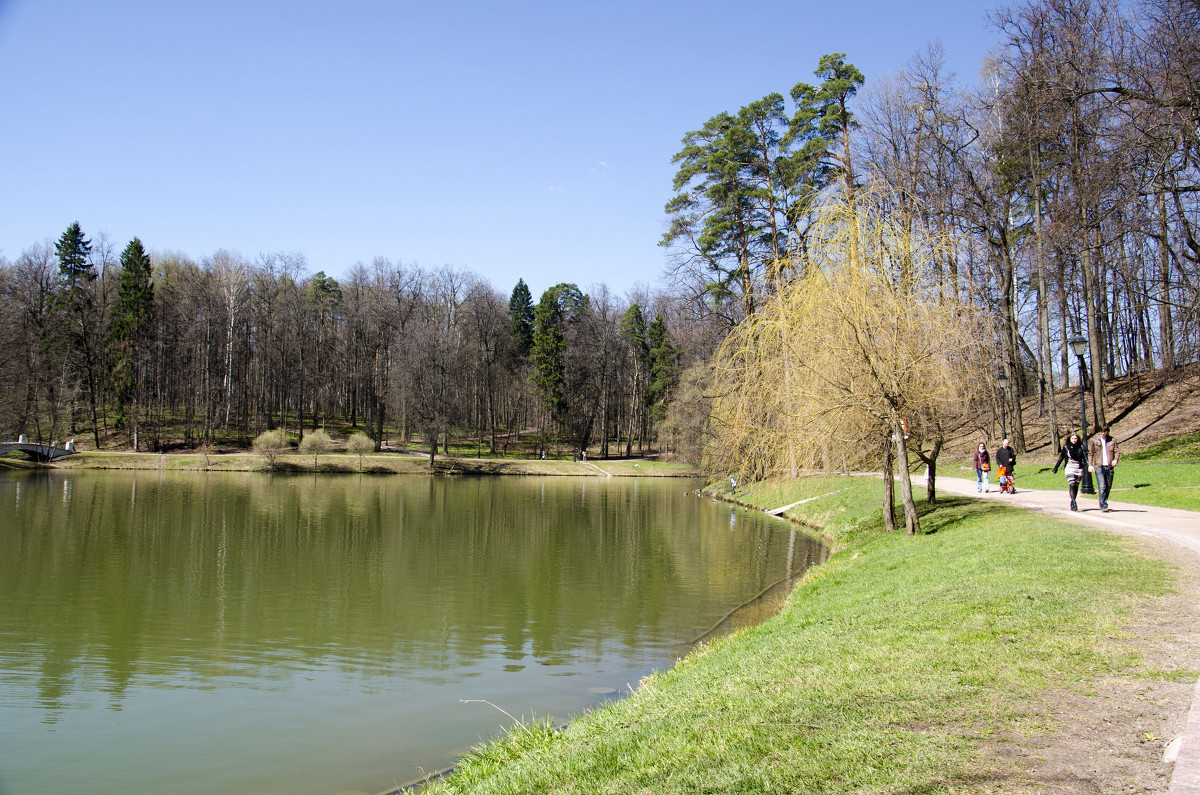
{"points": [[520, 140]]}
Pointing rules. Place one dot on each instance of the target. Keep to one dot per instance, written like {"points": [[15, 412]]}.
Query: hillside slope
{"points": [[1144, 410]]}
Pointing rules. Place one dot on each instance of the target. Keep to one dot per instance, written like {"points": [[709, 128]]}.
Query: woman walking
{"points": [[1074, 455], [983, 463]]}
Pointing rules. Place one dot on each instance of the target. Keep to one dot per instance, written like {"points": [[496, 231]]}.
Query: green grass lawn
{"points": [[645, 468], [846, 510], [889, 669], [340, 461], [1184, 448]]}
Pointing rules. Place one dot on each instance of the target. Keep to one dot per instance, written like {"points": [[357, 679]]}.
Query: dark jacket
{"points": [[1006, 458], [981, 458], [1072, 452]]}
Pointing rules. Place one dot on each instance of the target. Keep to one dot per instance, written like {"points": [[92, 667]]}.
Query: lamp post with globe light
{"points": [[1079, 346]]}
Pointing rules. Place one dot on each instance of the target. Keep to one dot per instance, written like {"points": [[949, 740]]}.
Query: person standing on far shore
{"points": [[983, 463], [1103, 454]]}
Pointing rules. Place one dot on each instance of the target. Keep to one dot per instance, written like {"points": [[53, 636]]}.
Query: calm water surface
{"points": [[236, 632]]}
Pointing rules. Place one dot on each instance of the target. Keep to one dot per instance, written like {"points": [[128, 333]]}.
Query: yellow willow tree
{"points": [[858, 356]]}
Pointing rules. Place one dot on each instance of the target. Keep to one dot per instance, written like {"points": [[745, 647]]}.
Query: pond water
{"points": [[243, 632]]}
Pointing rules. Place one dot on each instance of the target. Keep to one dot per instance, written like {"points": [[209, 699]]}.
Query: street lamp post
{"points": [[1002, 379], [1079, 346]]}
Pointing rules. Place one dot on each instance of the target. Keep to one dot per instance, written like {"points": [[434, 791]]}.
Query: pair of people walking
{"points": [[1006, 460], [1102, 452]]}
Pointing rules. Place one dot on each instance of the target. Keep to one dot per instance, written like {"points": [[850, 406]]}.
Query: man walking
{"points": [[1006, 459], [1103, 453]]}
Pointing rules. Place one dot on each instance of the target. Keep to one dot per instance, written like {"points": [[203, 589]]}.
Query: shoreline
{"points": [[341, 463], [710, 634], [735, 685]]}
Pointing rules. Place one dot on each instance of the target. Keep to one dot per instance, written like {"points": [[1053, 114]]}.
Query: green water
{"points": [[249, 633]]}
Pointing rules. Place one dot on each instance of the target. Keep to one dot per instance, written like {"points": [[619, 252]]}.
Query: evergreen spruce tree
{"points": [[131, 328], [664, 368], [558, 307], [76, 298], [73, 263], [633, 329], [521, 320]]}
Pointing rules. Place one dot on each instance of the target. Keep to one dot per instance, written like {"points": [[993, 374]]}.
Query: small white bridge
{"points": [[38, 452]]}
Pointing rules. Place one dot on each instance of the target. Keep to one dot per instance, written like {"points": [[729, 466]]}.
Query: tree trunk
{"points": [[912, 522], [930, 461], [889, 488], [1095, 342], [1166, 326], [1045, 353], [1064, 330], [1012, 351]]}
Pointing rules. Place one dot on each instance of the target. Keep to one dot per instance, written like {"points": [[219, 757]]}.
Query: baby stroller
{"points": [[1007, 486]]}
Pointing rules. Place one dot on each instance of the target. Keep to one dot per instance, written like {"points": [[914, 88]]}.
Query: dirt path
{"points": [[1138, 733]]}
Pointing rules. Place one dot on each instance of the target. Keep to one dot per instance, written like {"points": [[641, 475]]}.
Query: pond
{"points": [[244, 632]]}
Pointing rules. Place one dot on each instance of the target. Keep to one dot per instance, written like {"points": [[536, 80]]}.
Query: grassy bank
{"points": [[15, 464], [845, 510], [375, 464], [898, 666]]}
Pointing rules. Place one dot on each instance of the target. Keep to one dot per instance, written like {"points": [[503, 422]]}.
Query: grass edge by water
{"points": [[888, 670], [341, 463]]}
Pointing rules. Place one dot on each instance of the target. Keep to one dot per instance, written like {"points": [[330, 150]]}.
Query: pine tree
{"points": [[713, 212], [521, 320], [131, 328], [823, 122], [664, 368], [77, 299], [558, 307], [73, 263], [633, 329], [748, 182]]}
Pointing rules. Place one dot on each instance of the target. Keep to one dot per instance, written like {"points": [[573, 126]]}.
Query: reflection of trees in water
{"points": [[199, 578]]}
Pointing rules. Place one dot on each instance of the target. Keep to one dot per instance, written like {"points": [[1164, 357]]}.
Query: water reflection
{"points": [[125, 592]]}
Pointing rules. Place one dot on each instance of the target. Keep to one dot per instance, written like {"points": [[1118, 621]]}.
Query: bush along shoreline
{"points": [[898, 665]]}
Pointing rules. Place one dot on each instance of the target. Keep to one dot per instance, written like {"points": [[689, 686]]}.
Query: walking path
{"points": [[1181, 528], [598, 469]]}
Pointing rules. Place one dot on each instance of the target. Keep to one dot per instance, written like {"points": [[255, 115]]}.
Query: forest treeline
{"points": [[153, 351], [1064, 186]]}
